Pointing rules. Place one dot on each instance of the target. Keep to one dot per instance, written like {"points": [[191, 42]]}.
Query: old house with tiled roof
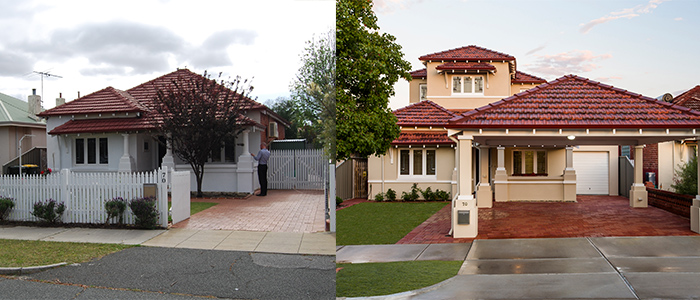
{"points": [[497, 134], [19, 124], [111, 131]]}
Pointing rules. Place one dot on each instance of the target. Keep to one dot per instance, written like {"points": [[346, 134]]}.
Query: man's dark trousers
{"points": [[262, 177]]}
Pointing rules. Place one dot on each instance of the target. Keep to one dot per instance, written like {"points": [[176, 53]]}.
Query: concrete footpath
{"points": [[559, 268], [320, 243]]}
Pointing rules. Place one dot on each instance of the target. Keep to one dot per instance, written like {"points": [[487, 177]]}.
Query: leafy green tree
{"points": [[301, 121], [368, 64], [313, 92], [686, 179]]}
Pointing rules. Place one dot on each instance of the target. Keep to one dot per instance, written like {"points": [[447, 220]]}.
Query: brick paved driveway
{"points": [[279, 211], [591, 216]]}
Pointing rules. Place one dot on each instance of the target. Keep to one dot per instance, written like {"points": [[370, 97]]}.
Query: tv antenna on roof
{"points": [[42, 80]]}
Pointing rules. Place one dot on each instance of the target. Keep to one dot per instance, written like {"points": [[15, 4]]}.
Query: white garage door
{"points": [[591, 173]]}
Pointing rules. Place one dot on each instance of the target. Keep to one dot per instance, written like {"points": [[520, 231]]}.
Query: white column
{"points": [[246, 173], [569, 176], [126, 162], [464, 211], [500, 178], [484, 198], [638, 192], [168, 160], [695, 208]]}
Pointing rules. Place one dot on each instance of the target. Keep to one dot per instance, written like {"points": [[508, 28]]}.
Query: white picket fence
{"points": [[305, 169], [84, 194]]}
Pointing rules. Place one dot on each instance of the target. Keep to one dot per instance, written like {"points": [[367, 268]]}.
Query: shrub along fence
{"points": [[671, 202], [84, 194]]}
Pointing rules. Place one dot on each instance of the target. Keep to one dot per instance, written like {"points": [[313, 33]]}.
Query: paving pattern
{"points": [[279, 211], [591, 216]]}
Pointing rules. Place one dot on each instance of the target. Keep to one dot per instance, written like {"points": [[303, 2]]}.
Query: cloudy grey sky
{"points": [[95, 44]]}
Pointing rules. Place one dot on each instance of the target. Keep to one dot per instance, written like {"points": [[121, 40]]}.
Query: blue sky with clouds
{"points": [[649, 47]]}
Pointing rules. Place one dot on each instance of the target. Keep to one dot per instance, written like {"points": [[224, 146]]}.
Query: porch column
{"points": [[245, 170], [126, 162], [484, 196], [638, 192], [464, 211], [569, 176], [695, 208], [168, 160], [500, 178]]}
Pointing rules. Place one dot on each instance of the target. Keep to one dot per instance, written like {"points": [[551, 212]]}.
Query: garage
{"points": [[591, 173]]}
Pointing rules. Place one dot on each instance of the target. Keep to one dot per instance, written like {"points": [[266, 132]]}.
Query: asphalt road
{"points": [[169, 273]]}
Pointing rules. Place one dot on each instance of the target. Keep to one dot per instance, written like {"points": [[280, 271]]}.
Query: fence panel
{"points": [[305, 169], [84, 194]]}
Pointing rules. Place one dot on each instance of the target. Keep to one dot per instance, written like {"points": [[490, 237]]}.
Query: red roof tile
{"points": [[422, 73], [103, 125], [689, 99], [423, 138], [423, 113], [576, 102], [108, 100], [467, 53], [465, 66], [521, 77]]}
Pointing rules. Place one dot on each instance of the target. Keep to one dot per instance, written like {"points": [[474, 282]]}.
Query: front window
{"points": [[468, 84], [529, 163], [419, 162], [96, 150], [423, 91]]}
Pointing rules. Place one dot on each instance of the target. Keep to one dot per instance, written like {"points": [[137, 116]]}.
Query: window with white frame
{"points": [[423, 91], [91, 151], [417, 162], [467, 84], [529, 163]]}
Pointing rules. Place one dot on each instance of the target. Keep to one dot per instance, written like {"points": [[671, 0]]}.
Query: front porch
{"points": [[590, 216]]}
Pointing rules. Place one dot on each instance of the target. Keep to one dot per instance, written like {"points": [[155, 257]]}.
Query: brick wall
{"points": [[671, 202], [651, 160]]}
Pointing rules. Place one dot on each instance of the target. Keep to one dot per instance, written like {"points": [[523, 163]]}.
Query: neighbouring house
{"points": [[489, 139], [19, 123], [111, 131], [663, 159]]}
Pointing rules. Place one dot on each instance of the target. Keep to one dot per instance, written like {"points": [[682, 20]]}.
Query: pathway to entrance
{"points": [[591, 216], [279, 211]]}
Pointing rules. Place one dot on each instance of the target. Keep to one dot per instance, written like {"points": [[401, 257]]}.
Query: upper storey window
{"points": [[423, 91], [467, 84]]}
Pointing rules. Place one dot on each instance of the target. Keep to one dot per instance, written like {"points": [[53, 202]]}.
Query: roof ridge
{"points": [[683, 95], [510, 57]]}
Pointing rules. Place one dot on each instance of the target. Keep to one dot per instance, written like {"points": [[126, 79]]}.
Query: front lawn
{"points": [[19, 253], [372, 223], [374, 279], [196, 207]]}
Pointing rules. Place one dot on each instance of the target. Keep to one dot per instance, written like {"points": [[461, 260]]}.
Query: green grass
{"points": [[373, 223], [18, 253], [374, 279], [196, 207]]}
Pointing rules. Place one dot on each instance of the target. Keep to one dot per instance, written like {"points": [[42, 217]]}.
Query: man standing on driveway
{"points": [[262, 157]]}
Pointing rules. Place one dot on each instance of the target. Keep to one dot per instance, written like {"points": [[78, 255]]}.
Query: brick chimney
{"points": [[60, 100], [34, 103]]}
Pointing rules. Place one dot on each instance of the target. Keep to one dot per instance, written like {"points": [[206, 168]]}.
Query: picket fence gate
{"points": [[302, 169], [84, 194]]}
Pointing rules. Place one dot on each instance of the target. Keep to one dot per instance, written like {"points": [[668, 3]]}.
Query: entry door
{"points": [[591, 173]]}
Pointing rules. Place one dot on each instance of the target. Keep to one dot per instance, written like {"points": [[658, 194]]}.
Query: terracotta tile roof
{"points": [[423, 138], [689, 99], [465, 66], [107, 100], [521, 77], [136, 99], [422, 73], [103, 125], [423, 113], [577, 102], [467, 53]]}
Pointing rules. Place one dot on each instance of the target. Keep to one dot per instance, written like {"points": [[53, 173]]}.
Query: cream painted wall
{"points": [[445, 162], [670, 156], [414, 90], [518, 87], [496, 87]]}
